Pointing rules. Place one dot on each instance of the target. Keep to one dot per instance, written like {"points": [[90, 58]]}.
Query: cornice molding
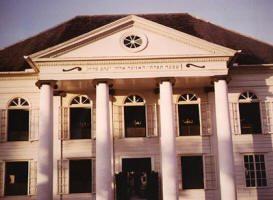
{"points": [[16, 77], [53, 63]]}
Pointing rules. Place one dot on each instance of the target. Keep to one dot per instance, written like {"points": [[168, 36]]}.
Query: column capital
{"points": [[163, 79], [217, 78], [52, 83], [109, 82]]}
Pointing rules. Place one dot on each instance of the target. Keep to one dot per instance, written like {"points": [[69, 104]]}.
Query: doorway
{"points": [[137, 181]]}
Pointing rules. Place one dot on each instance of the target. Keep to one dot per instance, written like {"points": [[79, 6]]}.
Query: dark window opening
{"points": [[189, 123], [255, 173], [250, 118], [16, 178], [136, 165], [18, 125], [80, 123], [135, 121], [192, 172], [80, 176]]}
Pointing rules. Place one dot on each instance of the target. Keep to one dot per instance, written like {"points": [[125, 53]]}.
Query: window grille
{"points": [[255, 172]]}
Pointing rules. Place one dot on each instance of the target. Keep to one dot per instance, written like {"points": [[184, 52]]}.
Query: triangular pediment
{"points": [[133, 37]]}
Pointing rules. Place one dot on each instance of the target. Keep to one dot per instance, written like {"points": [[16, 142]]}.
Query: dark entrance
{"points": [[137, 181]]}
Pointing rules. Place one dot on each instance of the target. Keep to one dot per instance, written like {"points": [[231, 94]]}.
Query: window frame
{"points": [[189, 102], [124, 104], [81, 105], [180, 165], [93, 175], [4, 177], [254, 163], [18, 107], [249, 101]]}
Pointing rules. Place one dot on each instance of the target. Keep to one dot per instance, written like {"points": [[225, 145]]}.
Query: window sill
{"points": [[257, 188]]}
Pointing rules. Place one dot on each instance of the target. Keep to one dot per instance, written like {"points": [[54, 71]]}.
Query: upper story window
{"points": [[80, 118], [188, 114], [135, 116], [249, 109], [18, 120]]}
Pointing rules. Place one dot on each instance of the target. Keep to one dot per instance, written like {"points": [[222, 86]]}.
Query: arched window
{"points": [[18, 120], [188, 115], [135, 116], [80, 118], [249, 109]]}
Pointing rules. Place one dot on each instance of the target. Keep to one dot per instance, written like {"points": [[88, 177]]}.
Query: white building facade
{"points": [[136, 110]]}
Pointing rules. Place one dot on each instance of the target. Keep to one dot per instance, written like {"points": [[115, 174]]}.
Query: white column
{"points": [[45, 148], [104, 179], [167, 143], [56, 143], [224, 139]]}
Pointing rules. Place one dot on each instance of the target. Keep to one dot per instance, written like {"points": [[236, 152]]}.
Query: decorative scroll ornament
{"points": [[193, 65], [68, 70]]}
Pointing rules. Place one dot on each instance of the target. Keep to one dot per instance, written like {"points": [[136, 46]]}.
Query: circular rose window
{"points": [[134, 42]]}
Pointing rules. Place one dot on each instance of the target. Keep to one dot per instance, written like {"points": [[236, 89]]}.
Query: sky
{"points": [[20, 19]]}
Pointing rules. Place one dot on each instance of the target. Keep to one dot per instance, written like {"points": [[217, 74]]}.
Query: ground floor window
{"points": [[16, 178], [255, 173], [80, 176], [192, 172]]}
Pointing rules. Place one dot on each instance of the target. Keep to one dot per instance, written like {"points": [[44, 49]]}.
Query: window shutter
{"points": [[210, 172], [117, 121], [64, 123], [2, 178], [158, 119], [206, 119], [265, 116], [34, 124], [176, 120], [179, 173], [234, 118], [152, 120], [3, 125], [32, 177], [93, 175], [63, 176], [93, 124]]}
